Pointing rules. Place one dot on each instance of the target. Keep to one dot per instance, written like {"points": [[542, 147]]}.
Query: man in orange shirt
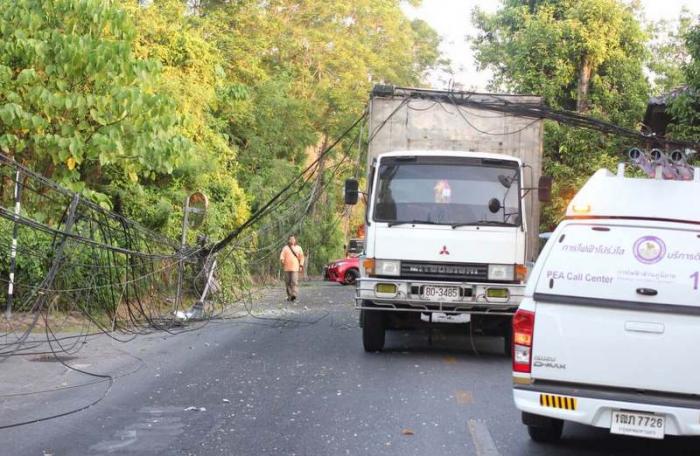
{"points": [[292, 259]]}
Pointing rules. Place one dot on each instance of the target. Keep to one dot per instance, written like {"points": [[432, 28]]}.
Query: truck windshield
{"points": [[447, 191]]}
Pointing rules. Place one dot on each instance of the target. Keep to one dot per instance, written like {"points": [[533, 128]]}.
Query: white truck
{"points": [[608, 332], [451, 218]]}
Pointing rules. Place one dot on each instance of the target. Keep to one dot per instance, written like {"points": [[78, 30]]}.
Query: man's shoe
{"points": [[293, 298]]}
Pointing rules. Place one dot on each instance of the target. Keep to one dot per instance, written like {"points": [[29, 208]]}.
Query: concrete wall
{"points": [[426, 124]]}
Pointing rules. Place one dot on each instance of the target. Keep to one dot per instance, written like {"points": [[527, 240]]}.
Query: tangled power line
{"points": [[70, 257], [72, 269], [500, 104]]}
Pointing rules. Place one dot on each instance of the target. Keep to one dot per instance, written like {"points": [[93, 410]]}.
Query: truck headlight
{"points": [[387, 268], [502, 272]]}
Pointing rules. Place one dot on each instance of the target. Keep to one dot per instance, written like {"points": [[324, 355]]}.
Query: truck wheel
{"points": [[548, 433], [373, 330], [350, 277]]}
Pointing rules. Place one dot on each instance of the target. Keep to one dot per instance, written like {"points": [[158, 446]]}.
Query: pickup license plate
{"points": [[439, 293], [638, 424]]}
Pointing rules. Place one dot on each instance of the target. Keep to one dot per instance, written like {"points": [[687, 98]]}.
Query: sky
{"points": [[452, 20]]}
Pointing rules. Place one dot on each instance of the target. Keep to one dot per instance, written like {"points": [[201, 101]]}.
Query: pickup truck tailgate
{"points": [[619, 306]]}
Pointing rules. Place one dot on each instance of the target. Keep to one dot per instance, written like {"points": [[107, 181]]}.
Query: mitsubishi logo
{"points": [[444, 250]]}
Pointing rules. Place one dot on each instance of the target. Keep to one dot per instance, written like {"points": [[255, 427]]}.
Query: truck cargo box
{"points": [[419, 119]]}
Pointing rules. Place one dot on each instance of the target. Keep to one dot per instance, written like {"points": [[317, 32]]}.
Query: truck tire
{"points": [[373, 330], [548, 433]]}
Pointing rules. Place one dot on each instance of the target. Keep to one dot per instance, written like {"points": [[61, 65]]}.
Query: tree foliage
{"points": [[685, 108], [587, 55], [191, 73], [74, 98], [139, 103], [669, 53], [298, 72]]}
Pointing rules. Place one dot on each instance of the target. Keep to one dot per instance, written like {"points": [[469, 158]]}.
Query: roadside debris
{"points": [[195, 313]]}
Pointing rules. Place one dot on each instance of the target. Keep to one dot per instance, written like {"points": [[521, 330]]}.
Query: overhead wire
{"points": [[132, 256], [232, 235]]}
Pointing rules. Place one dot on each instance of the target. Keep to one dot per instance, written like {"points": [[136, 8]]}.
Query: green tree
{"points": [[76, 102], [298, 74], [192, 75], [685, 108], [586, 55], [138, 103], [566, 51], [669, 52]]}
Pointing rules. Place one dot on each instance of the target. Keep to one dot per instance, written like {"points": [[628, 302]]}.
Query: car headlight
{"points": [[504, 272], [387, 267]]}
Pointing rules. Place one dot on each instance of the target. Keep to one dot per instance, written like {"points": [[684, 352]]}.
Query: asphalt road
{"points": [[293, 381]]}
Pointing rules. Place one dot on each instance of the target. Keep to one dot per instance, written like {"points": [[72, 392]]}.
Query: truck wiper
{"points": [[414, 222], [482, 223]]}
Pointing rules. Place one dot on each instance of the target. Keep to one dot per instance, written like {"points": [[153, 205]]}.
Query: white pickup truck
{"points": [[451, 218], [608, 331]]}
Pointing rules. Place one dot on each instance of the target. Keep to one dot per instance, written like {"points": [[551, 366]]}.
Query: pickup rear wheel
{"points": [[373, 330], [551, 432]]}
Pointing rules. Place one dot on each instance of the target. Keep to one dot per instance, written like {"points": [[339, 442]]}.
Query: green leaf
{"points": [[27, 76]]}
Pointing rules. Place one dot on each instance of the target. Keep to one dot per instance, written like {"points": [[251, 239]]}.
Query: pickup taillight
{"points": [[523, 327]]}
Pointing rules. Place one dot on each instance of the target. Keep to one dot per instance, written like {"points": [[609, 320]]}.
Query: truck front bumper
{"points": [[594, 408], [474, 297]]}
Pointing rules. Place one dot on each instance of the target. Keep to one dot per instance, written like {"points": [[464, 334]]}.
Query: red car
{"points": [[345, 271]]}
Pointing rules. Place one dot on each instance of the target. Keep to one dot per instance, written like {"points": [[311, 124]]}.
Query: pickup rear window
{"points": [[620, 263]]}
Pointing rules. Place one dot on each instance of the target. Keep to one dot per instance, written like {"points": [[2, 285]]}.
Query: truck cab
{"points": [[607, 332], [445, 233]]}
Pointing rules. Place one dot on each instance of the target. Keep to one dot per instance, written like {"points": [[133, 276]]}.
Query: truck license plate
{"points": [[638, 424], [442, 294]]}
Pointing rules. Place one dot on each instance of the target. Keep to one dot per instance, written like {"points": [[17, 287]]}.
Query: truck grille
{"points": [[444, 271]]}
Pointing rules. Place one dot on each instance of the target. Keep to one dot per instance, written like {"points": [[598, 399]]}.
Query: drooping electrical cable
{"points": [[253, 218], [535, 110], [129, 272]]}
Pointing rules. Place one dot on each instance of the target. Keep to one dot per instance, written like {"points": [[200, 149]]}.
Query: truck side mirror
{"points": [[352, 192], [544, 189]]}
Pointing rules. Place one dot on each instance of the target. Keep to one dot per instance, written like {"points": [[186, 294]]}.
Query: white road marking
{"points": [[483, 442]]}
